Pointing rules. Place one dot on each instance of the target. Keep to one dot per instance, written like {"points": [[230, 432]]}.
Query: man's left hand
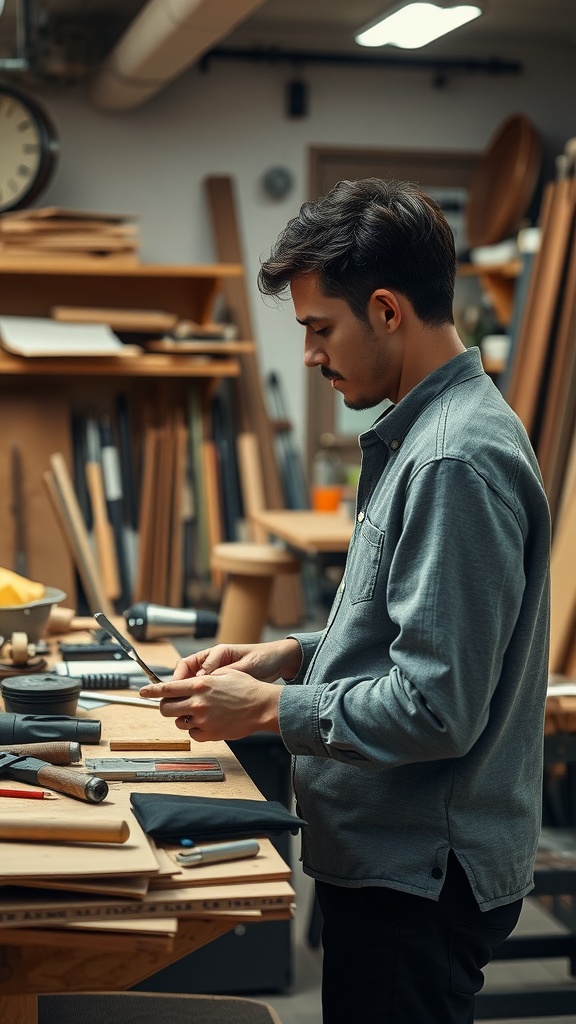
{"points": [[224, 706]]}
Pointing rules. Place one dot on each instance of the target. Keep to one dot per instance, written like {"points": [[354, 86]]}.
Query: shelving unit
{"points": [[39, 395], [499, 282]]}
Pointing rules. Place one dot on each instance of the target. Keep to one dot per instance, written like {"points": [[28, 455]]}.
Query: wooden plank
{"points": [[536, 329], [563, 588], [559, 412], [163, 489], [37, 418], [141, 320], [253, 496], [176, 567], [287, 604], [146, 513], [65, 504], [253, 412], [213, 501]]}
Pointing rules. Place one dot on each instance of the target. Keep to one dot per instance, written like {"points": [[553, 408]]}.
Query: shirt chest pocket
{"points": [[362, 573]]}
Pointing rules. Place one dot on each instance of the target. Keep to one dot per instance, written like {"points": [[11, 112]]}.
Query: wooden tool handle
{"points": [[103, 830], [72, 782], [65, 620], [61, 752]]}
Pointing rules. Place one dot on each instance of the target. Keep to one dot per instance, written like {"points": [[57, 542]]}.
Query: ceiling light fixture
{"points": [[417, 24]]}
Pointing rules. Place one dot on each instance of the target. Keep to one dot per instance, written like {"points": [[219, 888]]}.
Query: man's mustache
{"points": [[330, 374]]}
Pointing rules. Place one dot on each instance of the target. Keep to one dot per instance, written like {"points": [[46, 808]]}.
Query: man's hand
{"points": [[268, 662], [226, 705], [224, 692]]}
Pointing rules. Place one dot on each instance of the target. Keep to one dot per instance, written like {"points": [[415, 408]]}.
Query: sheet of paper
{"points": [[39, 336]]}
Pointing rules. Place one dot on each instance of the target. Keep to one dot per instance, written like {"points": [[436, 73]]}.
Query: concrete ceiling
{"points": [[71, 38]]}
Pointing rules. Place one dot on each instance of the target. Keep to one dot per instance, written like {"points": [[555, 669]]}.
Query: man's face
{"points": [[360, 360]]}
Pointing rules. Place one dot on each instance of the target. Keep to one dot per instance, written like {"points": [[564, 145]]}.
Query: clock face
{"points": [[28, 148]]}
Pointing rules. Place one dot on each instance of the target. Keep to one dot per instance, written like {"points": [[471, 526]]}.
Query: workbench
{"points": [[56, 960]]}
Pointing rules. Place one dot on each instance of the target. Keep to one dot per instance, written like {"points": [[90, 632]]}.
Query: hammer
{"points": [[62, 780]]}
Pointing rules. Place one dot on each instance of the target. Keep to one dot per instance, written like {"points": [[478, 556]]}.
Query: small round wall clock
{"points": [[28, 149]]}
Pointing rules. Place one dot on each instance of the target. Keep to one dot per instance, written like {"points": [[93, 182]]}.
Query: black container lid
{"points": [[44, 687]]}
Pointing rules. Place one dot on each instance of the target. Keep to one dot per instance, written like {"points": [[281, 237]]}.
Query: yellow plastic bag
{"points": [[15, 589]]}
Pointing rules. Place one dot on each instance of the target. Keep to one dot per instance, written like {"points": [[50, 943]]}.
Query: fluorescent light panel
{"points": [[416, 25]]}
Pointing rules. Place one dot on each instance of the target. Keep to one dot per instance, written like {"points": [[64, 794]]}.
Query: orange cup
{"points": [[326, 497]]}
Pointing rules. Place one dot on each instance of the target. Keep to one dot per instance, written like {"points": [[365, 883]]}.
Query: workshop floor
{"points": [[301, 1005]]}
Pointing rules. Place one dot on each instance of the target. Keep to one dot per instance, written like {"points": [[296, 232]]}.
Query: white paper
{"points": [[562, 690], [39, 336]]}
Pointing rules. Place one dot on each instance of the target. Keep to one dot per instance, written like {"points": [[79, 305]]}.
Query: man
{"points": [[416, 715]]}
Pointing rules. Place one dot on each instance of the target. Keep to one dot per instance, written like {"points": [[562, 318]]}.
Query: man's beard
{"points": [[362, 403]]}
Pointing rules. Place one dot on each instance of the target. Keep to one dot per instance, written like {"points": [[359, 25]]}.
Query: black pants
{"points": [[394, 958]]}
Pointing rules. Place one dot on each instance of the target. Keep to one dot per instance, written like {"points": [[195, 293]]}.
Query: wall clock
{"points": [[28, 149]]}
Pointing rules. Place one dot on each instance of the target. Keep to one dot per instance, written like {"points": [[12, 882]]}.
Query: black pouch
{"points": [[171, 818]]}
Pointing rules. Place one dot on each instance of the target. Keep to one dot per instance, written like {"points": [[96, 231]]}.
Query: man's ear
{"points": [[385, 308]]}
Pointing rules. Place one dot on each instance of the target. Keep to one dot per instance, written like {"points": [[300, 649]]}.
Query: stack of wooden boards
{"points": [[63, 893], [54, 232], [541, 388], [154, 487]]}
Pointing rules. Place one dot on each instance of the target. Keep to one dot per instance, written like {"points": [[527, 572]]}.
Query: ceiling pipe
{"points": [[165, 38]]}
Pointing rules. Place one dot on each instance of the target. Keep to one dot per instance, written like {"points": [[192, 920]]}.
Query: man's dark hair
{"points": [[365, 235]]}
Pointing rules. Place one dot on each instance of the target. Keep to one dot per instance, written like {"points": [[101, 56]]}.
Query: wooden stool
{"points": [[251, 569]]}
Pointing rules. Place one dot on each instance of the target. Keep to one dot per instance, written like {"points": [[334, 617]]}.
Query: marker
{"points": [[29, 794], [217, 852]]}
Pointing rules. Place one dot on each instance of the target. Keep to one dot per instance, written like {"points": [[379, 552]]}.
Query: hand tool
{"points": [[39, 728], [216, 852], [57, 752], [63, 780], [65, 620], [126, 646], [65, 830], [157, 769], [146, 621]]}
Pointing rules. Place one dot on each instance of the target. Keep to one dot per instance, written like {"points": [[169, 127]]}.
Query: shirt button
{"points": [[394, 445], [437, 872], [360, 517]]}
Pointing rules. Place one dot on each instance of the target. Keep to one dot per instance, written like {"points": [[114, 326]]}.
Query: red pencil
{"points": [[29, 794]]}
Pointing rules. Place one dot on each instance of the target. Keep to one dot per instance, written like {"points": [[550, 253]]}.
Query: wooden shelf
{"points": [[32, 287], [146, 365], [510, 269], [499, 282], [38, 396]]}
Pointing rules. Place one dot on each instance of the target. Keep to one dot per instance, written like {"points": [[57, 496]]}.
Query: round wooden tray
{"points": [[504, 181]]}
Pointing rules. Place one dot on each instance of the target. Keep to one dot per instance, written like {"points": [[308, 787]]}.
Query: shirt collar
{"points": [[396, 421]]}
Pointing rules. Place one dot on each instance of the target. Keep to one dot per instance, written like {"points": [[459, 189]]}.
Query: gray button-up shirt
{"points": [[418, 725]]}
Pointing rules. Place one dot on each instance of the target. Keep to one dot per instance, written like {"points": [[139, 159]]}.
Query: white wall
{"points": [[152, 161]]}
